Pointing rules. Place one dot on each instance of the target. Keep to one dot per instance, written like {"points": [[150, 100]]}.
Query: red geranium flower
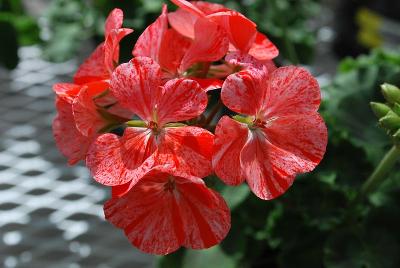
{"points": [[102, 61], [167, 210], [84, 112], [138, 86], [283, 135], [80, 117], [242, 32], [176, 53]]}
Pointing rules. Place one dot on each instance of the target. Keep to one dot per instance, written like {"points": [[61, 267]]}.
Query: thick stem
{"points": [[380, 172], [377, 177]]}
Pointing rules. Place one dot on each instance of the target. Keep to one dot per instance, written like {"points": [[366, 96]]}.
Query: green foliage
{"points": [[317, 222], [73, 21], [70, 23], [16, 29], [356, 85]]}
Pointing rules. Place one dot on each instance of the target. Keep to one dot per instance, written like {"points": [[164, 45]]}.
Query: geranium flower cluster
{"points": [[144, 129]]}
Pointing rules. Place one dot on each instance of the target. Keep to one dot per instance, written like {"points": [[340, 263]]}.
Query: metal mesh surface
{"points": [[50, 214]]}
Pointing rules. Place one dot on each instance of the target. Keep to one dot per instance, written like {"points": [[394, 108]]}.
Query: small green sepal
{"points": [[379, 109], [391, 93]]}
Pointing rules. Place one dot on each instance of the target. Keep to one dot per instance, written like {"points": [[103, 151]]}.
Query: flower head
{"points": [[154, 141], [282, 135], [167, 210]]}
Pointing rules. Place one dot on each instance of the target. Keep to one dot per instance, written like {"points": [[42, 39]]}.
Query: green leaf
{"points": [[9, 49], [234, 196], [212, 258], [174, 259]]}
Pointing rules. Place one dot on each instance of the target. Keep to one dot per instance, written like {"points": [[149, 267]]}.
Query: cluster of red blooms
{"points": [[140, 129]]}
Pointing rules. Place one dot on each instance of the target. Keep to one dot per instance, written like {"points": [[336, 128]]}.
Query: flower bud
{"points": [[391, 93], [396, 108], [379, 109], [390, 121]]}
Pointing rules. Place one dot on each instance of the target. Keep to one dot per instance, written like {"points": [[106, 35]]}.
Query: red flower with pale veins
{"points": [[165, 211], [101, 62], [284, 135], [242, 32], [80, 119], [137, 85], [176, 53], [90, 80]]}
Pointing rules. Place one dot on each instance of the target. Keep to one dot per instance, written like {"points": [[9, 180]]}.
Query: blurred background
{"points": [[51, 214]]}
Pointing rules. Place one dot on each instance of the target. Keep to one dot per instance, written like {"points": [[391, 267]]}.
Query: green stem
{"points": [[136, 123], [377, 176], [380, 172]]}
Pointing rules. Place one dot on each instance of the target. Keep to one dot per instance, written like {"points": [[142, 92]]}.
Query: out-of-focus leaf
{"points": [[309, 255], [25, 26], [9, 45], [174, 259], [60, 47], [235, 195], [213, 258]]}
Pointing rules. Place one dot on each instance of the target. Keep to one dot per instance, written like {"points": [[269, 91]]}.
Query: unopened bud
{"points": [[390, 121], [379, 109], [396, 108], [391, 93]]}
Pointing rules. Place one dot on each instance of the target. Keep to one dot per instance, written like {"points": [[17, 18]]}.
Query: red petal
{"points": [[241, 31], [113, 21], [188, 7], [210, 44], [208, 84], [111, 46], [68, 139], [265, 180], [136, 85], [230, 137], [149, 217], [93, 68], [243, 92], [182, 99], [183, 19], [159, 221], [263, 48], [189, 149], [149, 42], [244, 60], [120, 190], [183, 22], [209, 8], [291, 90], [173, 47], [205, 216], [87, 119], [115, 161], [298, 142], [66, 91], [111, 104]]}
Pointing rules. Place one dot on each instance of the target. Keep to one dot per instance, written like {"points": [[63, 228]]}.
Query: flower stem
{"points": [[377, 177], [381, 171]]}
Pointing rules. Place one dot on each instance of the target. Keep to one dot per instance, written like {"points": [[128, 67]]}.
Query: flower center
{"points": [[154, 127], [169, 186], [258, 123]]}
